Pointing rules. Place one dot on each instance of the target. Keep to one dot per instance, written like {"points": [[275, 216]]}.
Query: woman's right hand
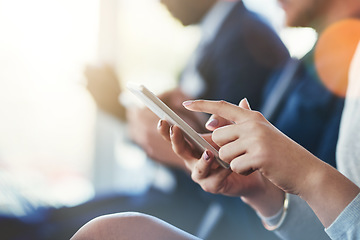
{"points": [[253, 144], [253, 188]]}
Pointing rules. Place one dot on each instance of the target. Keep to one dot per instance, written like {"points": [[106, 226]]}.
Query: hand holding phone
{"points": [[164, 112]]}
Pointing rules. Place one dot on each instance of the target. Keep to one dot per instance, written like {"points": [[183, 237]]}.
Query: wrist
{"points": [[325, 184], [275, 222], [266, 202]]}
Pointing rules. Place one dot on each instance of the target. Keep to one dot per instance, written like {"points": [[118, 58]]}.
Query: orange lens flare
{"points": [[334, 52]]}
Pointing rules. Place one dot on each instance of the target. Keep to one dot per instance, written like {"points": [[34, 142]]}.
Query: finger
{"points": [[181, 146], [225, 135], [163, 128], [243, 164], [216, 121], [130, 114], [214, 181], [203, 166], [232, 150], [245, 104], [211, 179], [208, 138], [221, 108]]}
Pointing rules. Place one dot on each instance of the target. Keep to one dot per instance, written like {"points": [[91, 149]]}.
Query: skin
{"points": [[318, 14], [129, 226], [214, 179], [188, 12], [142, 128], [104, 87], [264, 164], [303, 13], [248, 145], [255, 151]]}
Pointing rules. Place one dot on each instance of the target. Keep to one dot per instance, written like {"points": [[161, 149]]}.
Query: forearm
{"points": [[328, 192], [324, 189], [300, 221]]}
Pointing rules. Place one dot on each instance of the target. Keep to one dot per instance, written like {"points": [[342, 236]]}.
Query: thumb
{"points": [[244, 104]]}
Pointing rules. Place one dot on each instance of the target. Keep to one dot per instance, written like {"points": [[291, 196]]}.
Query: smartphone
{"points": [[164, 112]]}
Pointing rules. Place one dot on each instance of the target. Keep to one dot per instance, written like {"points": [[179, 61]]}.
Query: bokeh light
{"points": [[340, 40]]}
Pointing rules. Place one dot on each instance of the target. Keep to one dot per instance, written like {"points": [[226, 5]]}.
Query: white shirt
{"points": [[348, 147], [192, 84]]}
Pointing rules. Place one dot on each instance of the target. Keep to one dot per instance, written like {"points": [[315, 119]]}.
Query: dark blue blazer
{"points": [[310, 114]]}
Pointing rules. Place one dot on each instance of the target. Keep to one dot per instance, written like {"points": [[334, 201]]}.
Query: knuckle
{"points": [[222, 103], [215, 135], [195, 177], [222, 153], [189, 167], [209, 188], [176, 149], [252, 126], [256, 128], [260, 153], [199, 172], [150, 151], [258, 116]]}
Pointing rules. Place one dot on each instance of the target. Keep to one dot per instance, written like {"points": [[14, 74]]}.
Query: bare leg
{"points": [[130, 225]]}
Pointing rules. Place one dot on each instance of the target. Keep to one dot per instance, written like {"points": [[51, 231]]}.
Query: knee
{"points": [[113, 226]]}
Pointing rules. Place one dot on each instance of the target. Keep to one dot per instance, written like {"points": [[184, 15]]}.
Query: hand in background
{"points": [[174, 100], [104, 87], [142, 128]]}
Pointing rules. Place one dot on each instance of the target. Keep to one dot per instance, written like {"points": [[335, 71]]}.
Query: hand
{"points": [[254, 188], [252, 143], [104, 87], [204, 170], [142, 130]]}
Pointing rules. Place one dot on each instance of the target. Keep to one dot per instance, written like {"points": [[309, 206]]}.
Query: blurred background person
{"points": [[324, 87], [48, 120], [295, 101], [236, 55], [340, 221]]}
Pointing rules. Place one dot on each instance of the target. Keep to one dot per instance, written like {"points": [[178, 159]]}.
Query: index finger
{"points": [[216, 121], [221, 108]]}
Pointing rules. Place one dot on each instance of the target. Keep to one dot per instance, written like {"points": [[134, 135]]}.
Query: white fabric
{"points": [[347, 225], [191, 82], [348, 148]]}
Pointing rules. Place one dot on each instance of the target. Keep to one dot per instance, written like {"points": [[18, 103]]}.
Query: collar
{"points": [[213, 20]]}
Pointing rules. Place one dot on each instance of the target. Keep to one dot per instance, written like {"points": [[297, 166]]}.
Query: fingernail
{"points": [[187, 103], [247, 102], [171, 130], [212, 122], [206, 156], [159, 124]]}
